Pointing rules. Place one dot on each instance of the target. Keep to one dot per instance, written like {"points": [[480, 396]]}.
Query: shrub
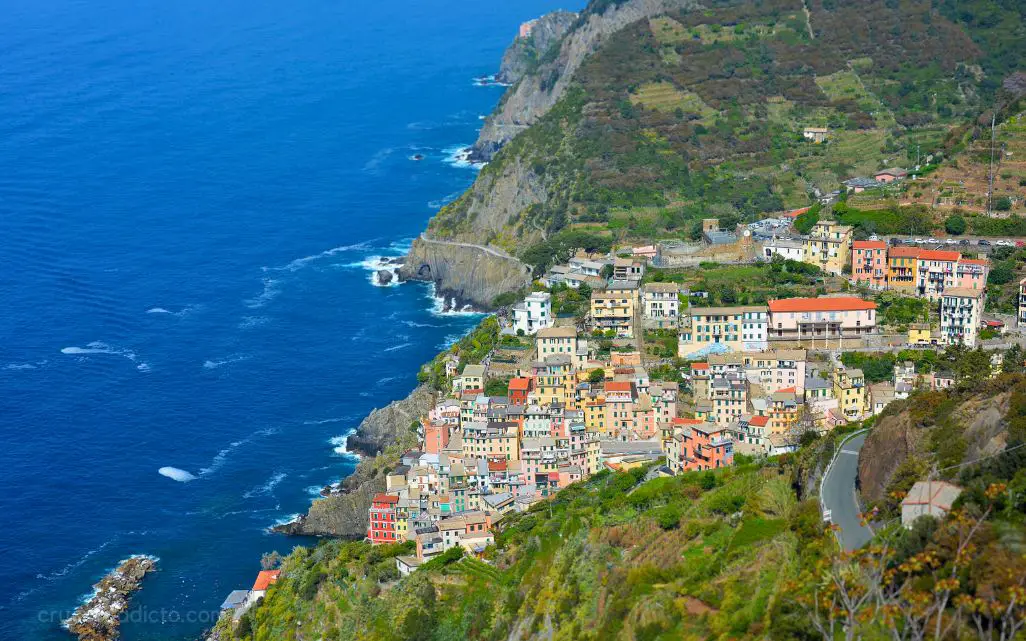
{"points": [[955, 224]]}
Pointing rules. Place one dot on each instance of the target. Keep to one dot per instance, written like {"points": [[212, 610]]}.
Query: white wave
{"points": [[449, 341], [410, 323], [401, 246], [158, 310], [267, 487], [325, 421], [339, 443], [489, 81], [314, 490], [300, 263], [24, 366], [374, 264], [285, 520], [100, 348], [441, 308], [222, 456], [272, 287], [176, 474], [396, 348], [388, 379], [378, 158], [442, 202], [459, 156], [225, 361]]}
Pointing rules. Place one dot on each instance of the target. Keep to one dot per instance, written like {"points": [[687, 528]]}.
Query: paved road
{"points": [[837, 493], [488, 250], [974, 245]]}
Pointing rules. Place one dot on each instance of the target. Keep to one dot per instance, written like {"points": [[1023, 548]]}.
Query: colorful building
{"points": [[383, 519], [869, 263], [824, 317], [829, 246], [706, 330], [961, 311]]}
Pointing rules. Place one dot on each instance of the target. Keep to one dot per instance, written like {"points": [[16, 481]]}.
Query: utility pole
{"points": [[990, 185]]}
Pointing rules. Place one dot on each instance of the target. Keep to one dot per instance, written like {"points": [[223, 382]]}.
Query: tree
{"points": [[270, 560], [1003, 204], [955, 224], [607, 271], [1001, 274], [1013, 362], [596, 375]]}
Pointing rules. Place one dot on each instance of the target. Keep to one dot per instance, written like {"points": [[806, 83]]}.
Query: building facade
{"points": [[869, 263], [826, 317], [533, 313], [829, 246], [961, 311], [712, 329]]}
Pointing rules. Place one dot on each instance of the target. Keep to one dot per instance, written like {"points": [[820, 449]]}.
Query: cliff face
{"points": [[535, 94], [933, 430], [524, 53], [381, 438], [465, 274]]}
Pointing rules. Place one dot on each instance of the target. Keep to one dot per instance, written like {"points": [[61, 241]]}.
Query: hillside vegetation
{"points": [[697, 113]]}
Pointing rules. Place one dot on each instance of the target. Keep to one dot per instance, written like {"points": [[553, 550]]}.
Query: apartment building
{"points": [[902, 269], [711, 329], [554, 380], [786, 248], [660, 304], [825, 317], [829, 246], [698, 445], [869, 263], [777, 369], [628, 269], [556, 340], [961, 311], [533, 313], [614, 308], [936, 271], [850, 391], [728, 397], [971, 273], [1021, 317]]}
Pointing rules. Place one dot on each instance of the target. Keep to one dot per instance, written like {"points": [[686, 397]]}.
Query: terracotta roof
{"points": [[759, 421], [706, 365], [496, 466], [794, 213], [974, 261], [688, 421], [939, 254], [618, 386], [265, 579], [386, 498], [840, 303], [787, 390], [869, 244], [904, 252], [519, 384]]}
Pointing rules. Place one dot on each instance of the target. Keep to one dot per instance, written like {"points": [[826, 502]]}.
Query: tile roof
{"points": [[869, 244], [904, 252], [939, 254], [519, 384], [265, 579], [825, 304], [759, 421], [619, 386]]}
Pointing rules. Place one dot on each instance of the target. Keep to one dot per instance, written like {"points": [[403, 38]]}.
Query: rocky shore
{"points": [[380, 439], [99, 618]]}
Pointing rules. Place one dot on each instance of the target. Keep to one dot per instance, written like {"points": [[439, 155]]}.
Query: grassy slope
{"points": [[700, 556], [700, 113]]}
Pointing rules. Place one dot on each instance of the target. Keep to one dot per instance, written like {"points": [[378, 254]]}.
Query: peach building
{"points": [[826, 317], [869, 263]]}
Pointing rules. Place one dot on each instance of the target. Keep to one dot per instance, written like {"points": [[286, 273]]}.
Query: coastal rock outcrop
{"points": [[343, 511], [464, 273], [526, 51], [537, 91], [99, 618]]}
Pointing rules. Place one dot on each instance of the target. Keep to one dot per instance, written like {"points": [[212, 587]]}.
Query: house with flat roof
{"points": [[928, 498]]}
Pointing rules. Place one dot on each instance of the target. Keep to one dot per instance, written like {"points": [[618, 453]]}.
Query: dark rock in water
{"points": [[417, 157], [99, 618], [384, 276]]}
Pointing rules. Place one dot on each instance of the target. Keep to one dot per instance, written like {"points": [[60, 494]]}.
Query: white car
{"points": [[932, 240], [874, 237], [920, 241], [951, 241]]}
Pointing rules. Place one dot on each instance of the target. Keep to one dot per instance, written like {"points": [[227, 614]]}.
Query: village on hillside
{"points": [[615, 362]]}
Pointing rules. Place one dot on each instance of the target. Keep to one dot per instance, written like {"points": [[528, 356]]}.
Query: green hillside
{"points": [[700, 113]]}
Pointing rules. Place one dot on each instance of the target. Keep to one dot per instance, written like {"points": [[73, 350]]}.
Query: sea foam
{"points": [[176, 474]]}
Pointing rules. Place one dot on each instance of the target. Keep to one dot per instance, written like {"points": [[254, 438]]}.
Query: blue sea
{"points": [[193, 195]]}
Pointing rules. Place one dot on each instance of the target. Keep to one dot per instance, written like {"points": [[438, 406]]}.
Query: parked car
{"points": [[932, 240], [963, 242], [983, 242], [951, 241], [920, 241], [1020, 243]]}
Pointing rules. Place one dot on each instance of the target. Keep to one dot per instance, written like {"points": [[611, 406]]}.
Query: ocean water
{"points": [[192, 195]]}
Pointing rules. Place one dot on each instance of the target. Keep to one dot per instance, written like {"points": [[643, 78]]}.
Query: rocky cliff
{"points": [[933, 430], [381, 438], [465, 274], [537, 91], [525, 52]]}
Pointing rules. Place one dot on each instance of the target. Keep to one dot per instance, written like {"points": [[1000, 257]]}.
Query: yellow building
{"points": [[556, 340], [595, 415], [902, 266], [554, 381], [919, 334], [829, 246], [497, 440], [850, 392], [615, 307]]}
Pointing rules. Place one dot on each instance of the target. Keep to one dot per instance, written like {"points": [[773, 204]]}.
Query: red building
{"points": [[382, 519], [519, 388]]}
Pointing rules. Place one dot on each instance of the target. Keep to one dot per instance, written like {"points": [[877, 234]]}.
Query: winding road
{"points": [[488, 250], [837, 493]]}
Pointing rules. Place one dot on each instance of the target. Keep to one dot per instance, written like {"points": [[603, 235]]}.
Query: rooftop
{"points": [[823, 304], [557, 332]]}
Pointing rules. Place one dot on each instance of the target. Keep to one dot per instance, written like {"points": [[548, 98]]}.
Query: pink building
{"points": [[699, 446], [936, 272], [869, 263], [436, 437], [971, 273], [890, 175]]}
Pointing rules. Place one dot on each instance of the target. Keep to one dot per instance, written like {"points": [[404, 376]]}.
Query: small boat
{"points": [[417, 157]]}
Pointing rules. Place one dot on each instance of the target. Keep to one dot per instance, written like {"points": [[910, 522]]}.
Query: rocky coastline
{"points": [[99, 618], [380, 439]]}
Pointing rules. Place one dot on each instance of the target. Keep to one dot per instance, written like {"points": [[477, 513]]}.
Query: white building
{"points": [[533, 313], [556, 340], [933, 498], [960, 314], [660, 304], [784, 247]]}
